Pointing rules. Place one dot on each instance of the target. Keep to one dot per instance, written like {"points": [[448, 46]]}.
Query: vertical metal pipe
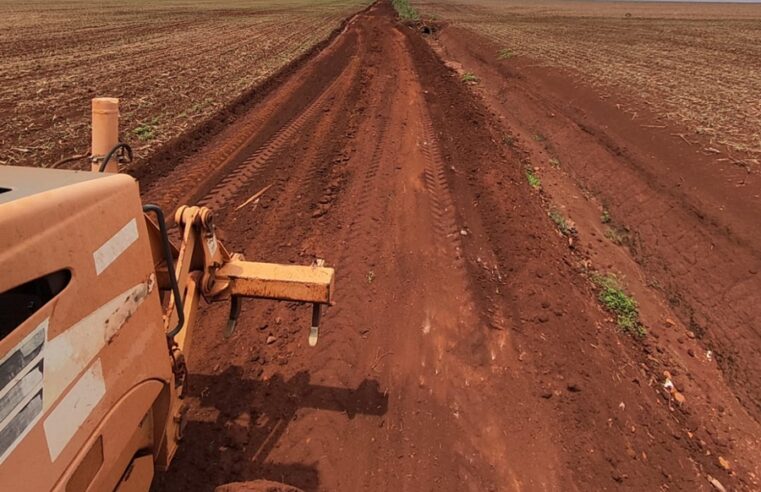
{"points": [[105, 131]]}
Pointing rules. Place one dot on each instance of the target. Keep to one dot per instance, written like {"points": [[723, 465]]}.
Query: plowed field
{"points": [[698, 65], [175, 65]]}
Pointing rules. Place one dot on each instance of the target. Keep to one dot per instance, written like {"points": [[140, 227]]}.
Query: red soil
{"points": [[467, 349]]}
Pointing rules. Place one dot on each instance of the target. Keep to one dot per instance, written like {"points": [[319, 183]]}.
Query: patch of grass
{"points": [[533, 179], [469, 78], [505, 54], [560, 221], [405, 10], [147, 130], [605, 216], [554, 162], [618, 302], [618, 236]]}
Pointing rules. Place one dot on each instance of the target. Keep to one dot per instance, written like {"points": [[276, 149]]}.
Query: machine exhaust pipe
{"points": [[105, 132]]}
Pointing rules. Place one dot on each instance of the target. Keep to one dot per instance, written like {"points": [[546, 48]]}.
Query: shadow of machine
{"points": [[239, 421]]}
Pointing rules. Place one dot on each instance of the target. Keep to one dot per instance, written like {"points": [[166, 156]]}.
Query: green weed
{"points": [[605, 217], [505, 54], [405, 10], [532, 178], [146, 131], [560, 221], [619, 303], [554, 162], [468, 77]]}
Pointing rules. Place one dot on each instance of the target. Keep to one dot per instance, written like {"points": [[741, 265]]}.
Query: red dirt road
{"points": [[466, 350]]}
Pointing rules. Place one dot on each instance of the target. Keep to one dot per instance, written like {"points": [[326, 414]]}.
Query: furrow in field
{"points": [[253, 138], [239, 178]]}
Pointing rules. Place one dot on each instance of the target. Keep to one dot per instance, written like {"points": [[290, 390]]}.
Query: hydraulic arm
{"points": [[201, 267]]}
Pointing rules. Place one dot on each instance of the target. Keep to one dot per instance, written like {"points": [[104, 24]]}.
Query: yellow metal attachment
{"points": [[273, 281]]}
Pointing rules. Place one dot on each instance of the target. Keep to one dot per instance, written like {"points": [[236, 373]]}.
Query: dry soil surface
{"points": [[466, 349]]}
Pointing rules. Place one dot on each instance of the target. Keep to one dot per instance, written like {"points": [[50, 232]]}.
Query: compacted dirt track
{"points": [[465, 351]]}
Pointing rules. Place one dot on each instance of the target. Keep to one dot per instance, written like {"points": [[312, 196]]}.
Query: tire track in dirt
{"points": [[368, 216], [238, 178], [190, 180], [445, 220], [339, 360], [300, 175], [355, 185], [325, 108], [348, 358]]}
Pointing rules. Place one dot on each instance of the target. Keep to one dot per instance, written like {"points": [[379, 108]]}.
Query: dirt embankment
{"points": [[677, 224], [466, 350]]}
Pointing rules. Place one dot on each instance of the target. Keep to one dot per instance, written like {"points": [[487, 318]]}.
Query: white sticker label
{"points": [[69, 415], [70, 352], [114, 247]]}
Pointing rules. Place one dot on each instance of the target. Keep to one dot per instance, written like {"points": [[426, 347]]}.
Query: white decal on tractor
{"points": [[67, 417], [70, 352], [114, 247]]}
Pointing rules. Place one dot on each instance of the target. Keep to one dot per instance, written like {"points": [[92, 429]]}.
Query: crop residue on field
{"points": [[698, 65], [173, 64]]}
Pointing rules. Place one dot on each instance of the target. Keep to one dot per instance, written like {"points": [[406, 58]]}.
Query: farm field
{"points": [[696, 64], [174, 64], [477, 210], [543, 219]]}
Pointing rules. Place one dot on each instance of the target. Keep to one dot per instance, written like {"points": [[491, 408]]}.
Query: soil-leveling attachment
{"points": [[97, 315]]}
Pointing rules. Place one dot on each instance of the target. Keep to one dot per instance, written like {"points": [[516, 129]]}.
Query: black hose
{"points": [[107, 158], [149, 207], [69, 159]]}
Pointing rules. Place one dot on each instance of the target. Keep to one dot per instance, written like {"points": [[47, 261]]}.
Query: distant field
{"points": [[173, 63], [698, 64]]}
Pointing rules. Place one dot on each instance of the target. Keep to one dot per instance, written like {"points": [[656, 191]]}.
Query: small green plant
{"points": [[370, 276], [532, 178], [605, 217], [469, 78], [505, 54], [508, 140], [554, 162], [147, 130], [405, 10], [560, 222], [619, 303]]}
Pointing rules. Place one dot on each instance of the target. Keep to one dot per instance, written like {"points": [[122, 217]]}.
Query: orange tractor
{"points": [[97, 314]]}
